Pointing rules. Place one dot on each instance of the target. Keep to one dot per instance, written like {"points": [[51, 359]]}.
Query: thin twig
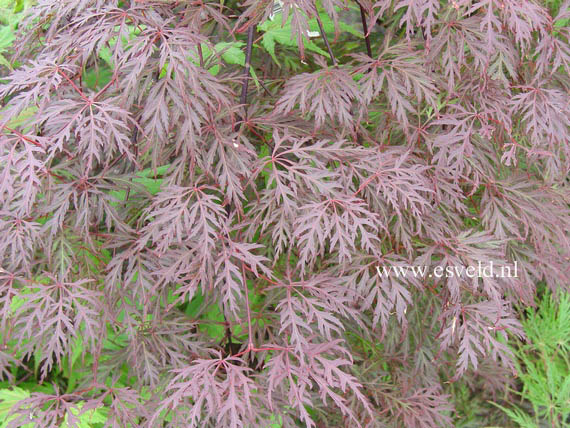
{"points": [[107, 86], [267, 91], [22, 136], [79, 91], [250, 344], [244, 85], [324, 36], [365, 30], [201, 55], [243, 97]]}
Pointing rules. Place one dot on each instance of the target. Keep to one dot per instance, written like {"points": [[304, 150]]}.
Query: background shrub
{"points": [[543, 365]]}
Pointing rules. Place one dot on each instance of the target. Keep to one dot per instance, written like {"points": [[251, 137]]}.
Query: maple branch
{"points": [[243, 96], [248, 49], [107, 86], [201, 55], [263, 348], [324, 36], [249, 329], [365, 30], [73, 85], [22, 136], [263, 277]]}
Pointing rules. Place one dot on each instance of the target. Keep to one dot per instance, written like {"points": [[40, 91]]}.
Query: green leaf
{"points": [[194, 306], [4, 62], [275, 33], [6, 37], [148, 179], [518, 416], [23, 117], [97, 77], [88, 419], [69, 370], [106, 55], [232, 52], [215, 330], [154, 172], [8, 399]]}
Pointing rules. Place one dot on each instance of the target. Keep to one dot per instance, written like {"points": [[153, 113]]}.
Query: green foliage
{"points": [[544, 365], [149, 178], [10, 15], [275, 33], [9, 397], [91, 418]]}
